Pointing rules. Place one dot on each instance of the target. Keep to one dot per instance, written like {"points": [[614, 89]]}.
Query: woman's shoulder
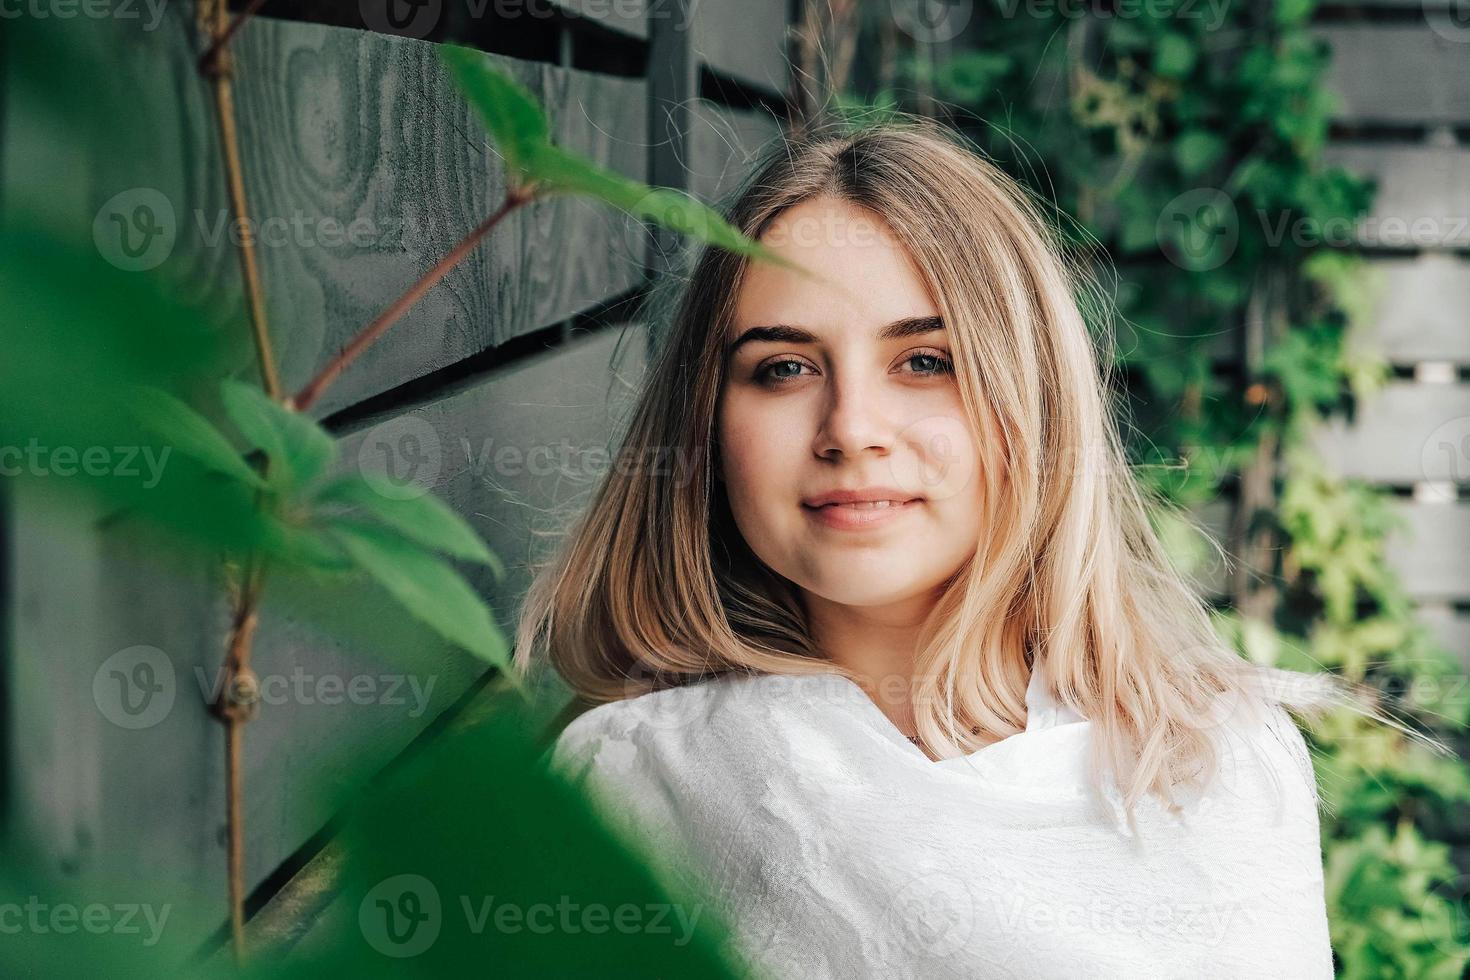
{"points": [[1263, 763], [617, 732]]}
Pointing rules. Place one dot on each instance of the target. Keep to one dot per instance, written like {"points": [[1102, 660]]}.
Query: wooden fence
{"points": [[497, 391], [1401, 72]]}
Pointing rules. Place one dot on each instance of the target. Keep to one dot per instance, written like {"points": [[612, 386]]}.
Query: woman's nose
{"points": [[854, 420]]}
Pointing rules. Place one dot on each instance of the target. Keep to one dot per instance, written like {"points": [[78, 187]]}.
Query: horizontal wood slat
{"points": [[624, 16], [1432, 552], [1423, 309], [1398, 73], [1405, 434], [1423, 198], [745, 41]]}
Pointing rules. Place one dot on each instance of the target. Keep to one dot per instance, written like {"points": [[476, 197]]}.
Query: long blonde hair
{"points": [[654, 586]]}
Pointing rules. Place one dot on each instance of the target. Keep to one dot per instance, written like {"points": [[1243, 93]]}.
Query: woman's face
{"points": [[846, 385]]}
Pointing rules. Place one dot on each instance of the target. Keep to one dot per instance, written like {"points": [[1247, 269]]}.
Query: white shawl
{"points": [[833, 847]]}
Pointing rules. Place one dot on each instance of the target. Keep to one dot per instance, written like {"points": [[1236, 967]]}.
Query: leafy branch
{"points": [[401, 544]]}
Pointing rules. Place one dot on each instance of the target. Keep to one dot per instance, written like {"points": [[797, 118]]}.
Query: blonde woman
{"points": [[895, 667]]}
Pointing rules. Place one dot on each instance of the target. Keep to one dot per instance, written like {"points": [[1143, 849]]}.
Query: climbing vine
{"points": [[1189, 147]]}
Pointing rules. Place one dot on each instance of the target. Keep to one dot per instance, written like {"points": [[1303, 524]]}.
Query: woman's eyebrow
{"points": [[911, 326]]}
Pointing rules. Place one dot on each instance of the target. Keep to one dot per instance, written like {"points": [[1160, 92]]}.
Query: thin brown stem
{"points": [[370, 334], [238, 697], [222, 39], [234, 704], [217, 65]]}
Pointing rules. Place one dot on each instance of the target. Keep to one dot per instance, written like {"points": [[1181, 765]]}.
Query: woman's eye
{"points": [[776, 372], [925, 363], [932, 363]]}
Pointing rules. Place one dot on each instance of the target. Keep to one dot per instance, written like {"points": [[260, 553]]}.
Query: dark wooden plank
{"points": [[628, 17], [725, 144], [745, 41], [363, 167]]}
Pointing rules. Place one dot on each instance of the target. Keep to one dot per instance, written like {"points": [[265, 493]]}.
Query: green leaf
{"points": [[1174, 56], [426, 519], [299, 449], [1197, 150], [563, 171], [427, 587], [520, 129], [190, 433], [508, 110]]}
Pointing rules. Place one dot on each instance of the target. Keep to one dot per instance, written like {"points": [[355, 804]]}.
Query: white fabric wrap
{"points": [[833, 847]]}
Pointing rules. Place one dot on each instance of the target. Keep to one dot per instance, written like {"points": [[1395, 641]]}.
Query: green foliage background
{"points": [[1111, 119]]}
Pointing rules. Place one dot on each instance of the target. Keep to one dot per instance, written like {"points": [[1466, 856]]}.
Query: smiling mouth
{"points": [[860, 515], [865, 504]]}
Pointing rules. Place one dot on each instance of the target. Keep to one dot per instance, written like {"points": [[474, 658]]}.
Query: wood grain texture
{"points": [[363, 167]]}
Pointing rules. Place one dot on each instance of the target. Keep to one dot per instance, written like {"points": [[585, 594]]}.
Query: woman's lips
{"points": [[849, 517]]}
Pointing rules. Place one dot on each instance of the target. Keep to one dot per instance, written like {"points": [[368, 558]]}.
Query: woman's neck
{"points": [[875, 643]]}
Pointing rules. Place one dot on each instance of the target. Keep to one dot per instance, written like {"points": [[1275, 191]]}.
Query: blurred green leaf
{"points": [[1197, 150], [427, 587], [425, 519], [299, 449], [513, 117], [190, 433]]}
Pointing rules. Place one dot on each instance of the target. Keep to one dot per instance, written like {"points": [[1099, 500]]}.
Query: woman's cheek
{"points": [[943, 464]]}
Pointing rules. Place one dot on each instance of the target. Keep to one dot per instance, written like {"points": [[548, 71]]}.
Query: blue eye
{"points": [[767, 374], [773, 373], [939, 364]]}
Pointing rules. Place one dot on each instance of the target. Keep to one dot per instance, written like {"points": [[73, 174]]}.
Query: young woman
{"points": [[895, 665]]}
